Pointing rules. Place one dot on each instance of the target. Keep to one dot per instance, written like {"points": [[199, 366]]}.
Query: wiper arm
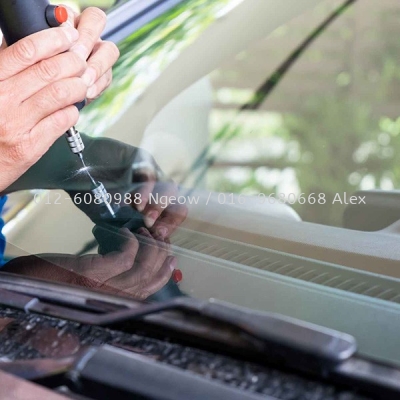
{"points": [[270, 338], [273, 334], [108, 372]]}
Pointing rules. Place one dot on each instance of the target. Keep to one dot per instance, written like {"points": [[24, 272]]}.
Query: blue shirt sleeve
{"points": [[2, 238]]}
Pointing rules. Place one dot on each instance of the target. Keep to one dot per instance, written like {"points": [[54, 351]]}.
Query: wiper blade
{"points": [[269, 338], [108, 372], [273, 334]]}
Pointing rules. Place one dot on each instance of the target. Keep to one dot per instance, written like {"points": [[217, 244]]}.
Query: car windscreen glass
{"points": [[321, 131], [265, 162], [97, 171], [289, 159]]}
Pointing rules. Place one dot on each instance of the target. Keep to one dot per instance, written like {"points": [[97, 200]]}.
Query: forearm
{"points": [[52, 171], [50, 267], [110, 162], [72, 270]]}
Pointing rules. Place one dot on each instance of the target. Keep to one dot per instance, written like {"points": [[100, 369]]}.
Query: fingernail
{"points": [[140, 206], [68, 23], [173, 263], [92, 92], [143, 231], [162, 231], [89, 77], [124, 231], [71, 33], [150, 218], [80, 50]]}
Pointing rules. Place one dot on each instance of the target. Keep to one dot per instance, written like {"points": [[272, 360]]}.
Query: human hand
{"points": [[152, 267], [140, 268], [158, 199], [100, 55], [40, 80], [39, 83]]}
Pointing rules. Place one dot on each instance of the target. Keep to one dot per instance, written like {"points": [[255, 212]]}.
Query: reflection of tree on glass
{"points": [[337, 102], [144, 55]]}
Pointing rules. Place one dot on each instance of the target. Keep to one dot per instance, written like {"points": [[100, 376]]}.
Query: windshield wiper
{"points": [[272, 334], [269, 338], [107, 372]]}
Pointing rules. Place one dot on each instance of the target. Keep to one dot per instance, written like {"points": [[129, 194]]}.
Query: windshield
{"points": [[267, 155]]}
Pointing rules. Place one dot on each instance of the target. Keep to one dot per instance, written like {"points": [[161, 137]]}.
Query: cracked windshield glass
{"points": [[256, 163]]}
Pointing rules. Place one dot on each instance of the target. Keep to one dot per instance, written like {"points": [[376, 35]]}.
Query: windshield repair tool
{"points": [[21, 18], [110, 239]]}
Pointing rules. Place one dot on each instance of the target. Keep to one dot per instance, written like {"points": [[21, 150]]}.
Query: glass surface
{"points": [[330, 124], [261, 138]]}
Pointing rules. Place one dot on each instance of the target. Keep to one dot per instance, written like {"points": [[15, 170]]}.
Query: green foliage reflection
{"points": [[144, 55]]}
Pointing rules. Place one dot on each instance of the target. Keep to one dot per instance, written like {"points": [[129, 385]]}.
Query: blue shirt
{"points": [[2, 238]]}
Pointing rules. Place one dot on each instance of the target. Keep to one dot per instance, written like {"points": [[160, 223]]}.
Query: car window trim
{"points": [[133, 15]]}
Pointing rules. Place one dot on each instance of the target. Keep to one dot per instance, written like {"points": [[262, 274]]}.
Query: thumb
{"points": [[126, 255]]}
